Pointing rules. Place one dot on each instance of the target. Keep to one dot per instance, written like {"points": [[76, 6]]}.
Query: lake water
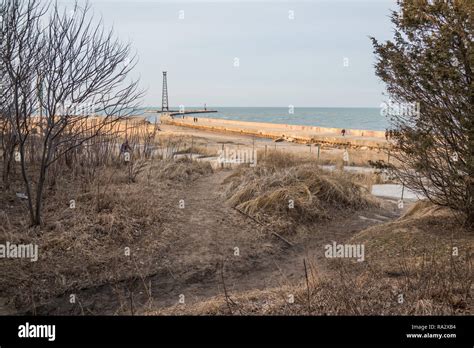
{"points": [[350, 118]]}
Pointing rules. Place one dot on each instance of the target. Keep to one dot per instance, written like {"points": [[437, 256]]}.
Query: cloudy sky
{"points": [[254, 53]]}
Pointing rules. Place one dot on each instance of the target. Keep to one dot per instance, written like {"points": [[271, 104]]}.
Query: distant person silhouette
{"points": [[343, 132], [125, 147]]}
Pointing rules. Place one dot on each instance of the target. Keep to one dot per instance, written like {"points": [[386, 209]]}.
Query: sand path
{"points": [[211, 238]]}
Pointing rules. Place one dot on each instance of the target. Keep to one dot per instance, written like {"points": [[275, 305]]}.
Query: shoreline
{"points": [[286, 132]]}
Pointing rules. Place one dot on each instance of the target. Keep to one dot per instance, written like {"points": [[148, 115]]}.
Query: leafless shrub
{"points": [[60, 76]]}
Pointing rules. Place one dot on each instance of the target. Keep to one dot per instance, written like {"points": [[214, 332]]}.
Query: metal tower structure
{"points": [[164, 94]]}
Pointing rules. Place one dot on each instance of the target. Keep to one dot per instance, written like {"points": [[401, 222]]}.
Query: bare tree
{"points": [[21, 37], [7, 138], [78, 87]]}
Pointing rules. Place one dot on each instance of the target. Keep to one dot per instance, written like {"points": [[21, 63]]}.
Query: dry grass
{"points": [[424, 232], [118, 206], [357, 157], [186, 145], [276, 159], [409, 257], [85, 246], [182, 169], [268, 190], [346, 293], [201, 150], [331, 155]]}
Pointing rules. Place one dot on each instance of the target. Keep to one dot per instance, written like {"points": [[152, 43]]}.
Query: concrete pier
{"points": [[291, 133]]}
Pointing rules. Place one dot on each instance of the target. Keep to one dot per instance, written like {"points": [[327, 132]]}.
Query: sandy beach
{"points": [[289, 133]]}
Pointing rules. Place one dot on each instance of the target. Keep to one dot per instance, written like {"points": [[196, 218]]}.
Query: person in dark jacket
{"points": [[125, 147]]}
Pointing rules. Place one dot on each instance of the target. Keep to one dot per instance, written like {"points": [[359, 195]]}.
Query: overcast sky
{"points": [[282, 61]]}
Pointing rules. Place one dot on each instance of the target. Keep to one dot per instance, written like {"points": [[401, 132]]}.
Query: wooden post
{"points": [[222, 164], [265, 151], [319, 150]]}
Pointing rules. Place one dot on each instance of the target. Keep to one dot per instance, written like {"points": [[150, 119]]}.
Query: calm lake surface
{"points": [[350, 118]]}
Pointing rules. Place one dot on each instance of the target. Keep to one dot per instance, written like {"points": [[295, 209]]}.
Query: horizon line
{"points": [[280, 107]]}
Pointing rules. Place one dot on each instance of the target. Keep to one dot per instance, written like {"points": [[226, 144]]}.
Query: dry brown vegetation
{"points": [[118, 205], [357, 157], [412, 257], [182, 169], [284, 188], [84, 247], [328, 155]]}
